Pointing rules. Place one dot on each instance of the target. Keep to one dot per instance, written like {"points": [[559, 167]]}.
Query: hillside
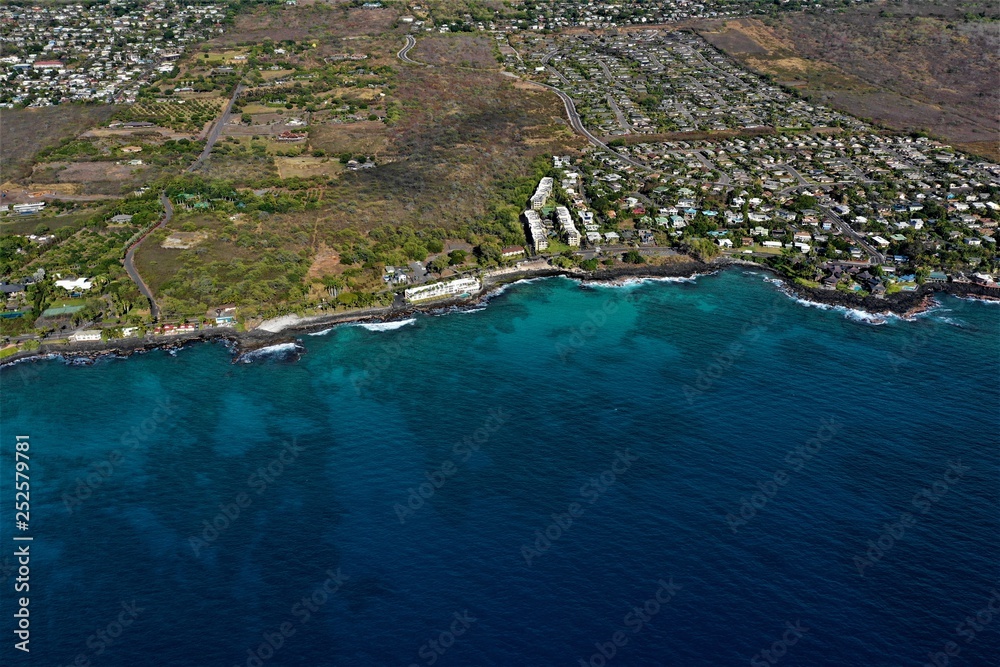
{"points": [[909, 64]]}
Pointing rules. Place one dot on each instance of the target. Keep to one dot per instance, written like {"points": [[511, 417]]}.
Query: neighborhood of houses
{"points": [[868, 211], [558, 14], [654, 81], [95, 52]]}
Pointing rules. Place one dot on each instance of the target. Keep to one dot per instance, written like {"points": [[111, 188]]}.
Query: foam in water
{"points": [[386, 326], [280, 351]]}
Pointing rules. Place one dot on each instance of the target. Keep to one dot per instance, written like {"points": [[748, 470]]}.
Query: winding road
{"points": [[129, 262], [577, 124], [403, 53], [168, 209]]}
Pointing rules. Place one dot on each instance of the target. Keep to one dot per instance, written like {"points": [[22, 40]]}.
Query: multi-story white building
{"points": [[565, 221], [537, 236], [542, 193]]}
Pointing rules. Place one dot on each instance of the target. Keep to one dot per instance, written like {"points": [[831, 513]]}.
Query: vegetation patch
{"points": [[25, 132]]}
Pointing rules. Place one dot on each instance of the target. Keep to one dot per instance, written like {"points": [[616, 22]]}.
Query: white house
{"points": [[85, 335], [78, 285]]}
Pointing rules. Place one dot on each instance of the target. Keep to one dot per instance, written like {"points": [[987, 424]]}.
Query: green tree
{"points": [[633, 257], [439, 265]]}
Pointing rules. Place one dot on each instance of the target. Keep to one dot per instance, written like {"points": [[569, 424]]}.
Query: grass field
{"points": [[28, 224], [307, 166]]}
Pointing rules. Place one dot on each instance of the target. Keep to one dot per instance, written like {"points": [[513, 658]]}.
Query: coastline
{"points": [[288, 328]]}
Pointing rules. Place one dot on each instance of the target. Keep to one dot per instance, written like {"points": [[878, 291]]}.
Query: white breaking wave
{"points": [[279, 350], [634, 281], [321, 333], [386, 326], [991, 302], [853, 314]]}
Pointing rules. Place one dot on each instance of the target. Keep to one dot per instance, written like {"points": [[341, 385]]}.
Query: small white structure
{"points": [[85, 335], [78, 285]]}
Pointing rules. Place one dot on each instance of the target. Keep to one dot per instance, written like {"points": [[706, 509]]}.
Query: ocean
{"points": [[668, 472]]}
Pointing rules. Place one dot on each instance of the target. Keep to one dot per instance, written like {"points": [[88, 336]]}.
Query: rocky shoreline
{"points": [[904, 304]]}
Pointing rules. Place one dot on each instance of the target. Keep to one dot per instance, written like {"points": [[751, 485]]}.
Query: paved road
{"points": [[168, 212], [402, 54], [618, 114], [577, 124], [724, 179], [854, 236], [216, 131]]}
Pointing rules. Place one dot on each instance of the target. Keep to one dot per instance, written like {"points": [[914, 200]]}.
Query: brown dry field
{"points": [[902, 65], [319, 21], [461, 50], [361, 138], [461, 134], [24, 132], [92, 172], [307, 166]]}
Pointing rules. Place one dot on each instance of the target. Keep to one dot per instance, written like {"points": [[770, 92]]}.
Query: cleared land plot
{"points": [[93, 172], [305, 167], [24, 132], [457, 138], [362, 138]]}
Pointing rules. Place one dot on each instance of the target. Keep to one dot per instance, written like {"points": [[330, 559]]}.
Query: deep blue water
{"points": [[697, 394]]}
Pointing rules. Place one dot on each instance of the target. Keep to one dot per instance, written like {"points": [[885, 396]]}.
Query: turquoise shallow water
{"points": [[692, 465]]}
